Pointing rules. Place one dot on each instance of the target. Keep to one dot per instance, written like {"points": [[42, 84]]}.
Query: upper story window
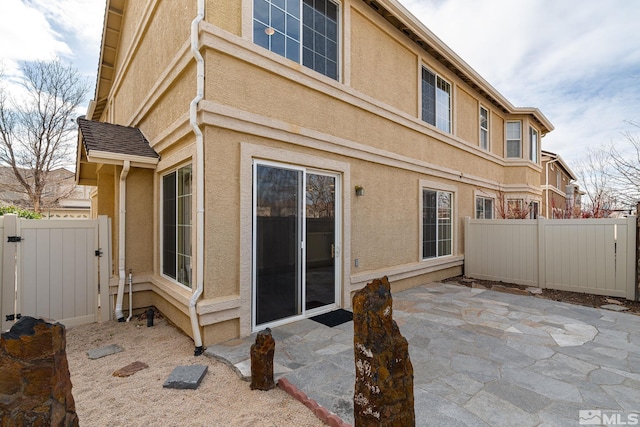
{"points": [[304, 31], [559, 180], [176, 225], [484, 128], [436, 101], [533, 145], [514, 139]]}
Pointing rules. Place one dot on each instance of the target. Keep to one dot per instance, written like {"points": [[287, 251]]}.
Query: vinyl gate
{"points": [[595, 256], [50, 268]]}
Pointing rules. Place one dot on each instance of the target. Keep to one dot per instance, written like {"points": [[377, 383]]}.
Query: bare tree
{"points": [[594, 172], [625, 165], [37, 128], [512, 208]]}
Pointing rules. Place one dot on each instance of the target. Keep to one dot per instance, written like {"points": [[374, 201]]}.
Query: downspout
{"points": [[121, 239], [193, 120]]}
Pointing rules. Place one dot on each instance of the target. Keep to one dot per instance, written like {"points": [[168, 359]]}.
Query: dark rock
{"points": [[35, 384], [186, 377], [262, 361], [383, 393]]}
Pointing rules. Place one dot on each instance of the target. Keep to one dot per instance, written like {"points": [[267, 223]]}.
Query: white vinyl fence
{"points": [[594, 256], [49, 268]]}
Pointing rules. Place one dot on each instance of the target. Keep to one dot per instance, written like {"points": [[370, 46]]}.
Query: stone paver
{"points": [[107, 350], [186, 377], [480, 357]]}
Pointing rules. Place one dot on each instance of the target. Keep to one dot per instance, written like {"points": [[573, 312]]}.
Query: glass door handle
{"points": [[333, 250]]}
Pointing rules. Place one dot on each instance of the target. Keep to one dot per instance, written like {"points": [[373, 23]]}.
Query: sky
{"points": [[578, 61]]}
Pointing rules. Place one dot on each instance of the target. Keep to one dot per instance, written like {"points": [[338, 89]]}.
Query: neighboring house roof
{"points": [[548, 156], [107, 143], [61, 192]]}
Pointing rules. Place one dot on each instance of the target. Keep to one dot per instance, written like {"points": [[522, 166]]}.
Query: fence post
{"points": [[467, 246], [104, 243], [637, 278], [632, 258], [10, 300], [542, 257]]}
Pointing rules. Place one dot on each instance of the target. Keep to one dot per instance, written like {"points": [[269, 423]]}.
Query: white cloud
{"points": [[26, 35], [81, 19]]}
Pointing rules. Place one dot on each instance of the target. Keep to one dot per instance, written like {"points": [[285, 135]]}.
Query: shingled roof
{"points": [[110, 138]]}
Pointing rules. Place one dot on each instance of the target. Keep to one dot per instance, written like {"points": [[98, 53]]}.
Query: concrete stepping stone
{"points": [[130, 369], [186, 377], [107, 350]]}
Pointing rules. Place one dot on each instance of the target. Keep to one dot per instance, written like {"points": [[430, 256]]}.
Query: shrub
{"points": [[22, 213]]}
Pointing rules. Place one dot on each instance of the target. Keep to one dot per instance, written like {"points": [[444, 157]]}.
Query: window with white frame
{"points": [[534, 210], [304, 31], [484, 208], [437, 226], [484, 128], [533, 145], [436, 101], [176, 225], [514, 139], [559, 180]]}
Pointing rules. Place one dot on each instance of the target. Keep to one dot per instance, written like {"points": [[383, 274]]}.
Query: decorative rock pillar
{"points": [[262, 361], [35, 384], [383, 393]]}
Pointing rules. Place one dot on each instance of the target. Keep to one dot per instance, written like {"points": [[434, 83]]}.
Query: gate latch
{"points": [[98, 252], [10, 317], [14, 239]]}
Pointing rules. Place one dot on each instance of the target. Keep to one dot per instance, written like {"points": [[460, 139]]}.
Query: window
{"points": [[436, 101], [176, 225], [534, 210], [301, 30], [559, 180], [533, 145], [436, 223], [514, 139], [484, 208], [515, 209], [484, 128]]}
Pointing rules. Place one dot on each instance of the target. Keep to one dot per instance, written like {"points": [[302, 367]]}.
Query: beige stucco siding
{"points": [[381, 67], [157, 46], [171, 106], [248, 87], [226, 14], [466, 108], [140, 207], [496, 134], [222, 213]]}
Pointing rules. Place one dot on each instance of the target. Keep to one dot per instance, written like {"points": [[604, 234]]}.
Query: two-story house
{"points": [[561, 196], [264, 159]]}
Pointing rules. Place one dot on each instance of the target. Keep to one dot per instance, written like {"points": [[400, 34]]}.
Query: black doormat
{"points": [[334, 318]]}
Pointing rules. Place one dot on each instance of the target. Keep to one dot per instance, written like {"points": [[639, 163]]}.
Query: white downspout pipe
{"points": [[193, 120], [121, 239]]}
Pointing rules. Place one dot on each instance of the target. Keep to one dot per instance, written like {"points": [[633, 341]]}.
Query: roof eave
{"points": [[106, 157]]}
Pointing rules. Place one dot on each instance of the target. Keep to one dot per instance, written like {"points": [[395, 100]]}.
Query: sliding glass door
{"points": [[294, 242]]}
